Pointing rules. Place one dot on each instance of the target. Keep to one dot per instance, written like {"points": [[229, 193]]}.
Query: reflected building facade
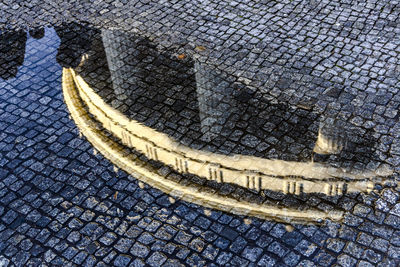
{"points": [[202, 108], [195, 103], [191, 117]]}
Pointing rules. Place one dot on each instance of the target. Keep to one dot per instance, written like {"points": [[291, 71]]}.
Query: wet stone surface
{"points": [[205, 109], [273, 65]]}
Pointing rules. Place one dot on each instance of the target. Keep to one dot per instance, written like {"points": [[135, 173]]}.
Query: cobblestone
{"points": [[58, 201]]}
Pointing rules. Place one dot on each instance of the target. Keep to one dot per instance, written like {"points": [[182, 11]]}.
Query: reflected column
{"points": [[121, 51], [217, 103]]}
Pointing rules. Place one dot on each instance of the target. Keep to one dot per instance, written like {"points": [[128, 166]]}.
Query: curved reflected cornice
{"points": [[247, 171], [133, 165]]}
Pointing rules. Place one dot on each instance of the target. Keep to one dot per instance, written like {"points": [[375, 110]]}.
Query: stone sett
{"points": [[57, 203]]}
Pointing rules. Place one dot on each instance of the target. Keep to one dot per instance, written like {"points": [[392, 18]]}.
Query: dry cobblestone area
{"points": [[63, 204]]}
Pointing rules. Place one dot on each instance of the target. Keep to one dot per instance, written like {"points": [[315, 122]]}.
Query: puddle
{"points": [[197, 132]]}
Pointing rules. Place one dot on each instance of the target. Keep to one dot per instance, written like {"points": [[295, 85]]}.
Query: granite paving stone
{"points": [[278, 70]]}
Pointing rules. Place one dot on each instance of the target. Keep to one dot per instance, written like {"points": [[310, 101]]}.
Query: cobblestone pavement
{"points": [[63, 204]]}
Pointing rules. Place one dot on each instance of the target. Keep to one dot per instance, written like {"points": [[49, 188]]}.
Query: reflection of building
{"points": [[247, 171], [195, 105], [77, 92], [12, 52], [204, 108]]}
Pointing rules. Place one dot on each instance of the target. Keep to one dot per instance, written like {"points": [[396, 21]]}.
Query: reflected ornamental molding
{"points": [[247, 171], [116, 153]]}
